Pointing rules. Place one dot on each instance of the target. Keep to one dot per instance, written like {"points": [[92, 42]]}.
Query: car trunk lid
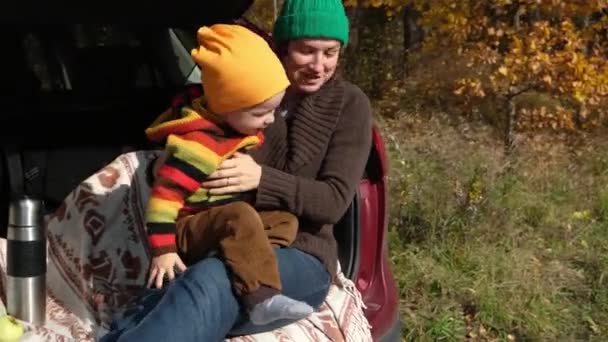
{"points": [[163, 13]]}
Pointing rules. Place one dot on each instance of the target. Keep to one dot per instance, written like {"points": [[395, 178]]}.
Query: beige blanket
{"points": [[97, 263]]}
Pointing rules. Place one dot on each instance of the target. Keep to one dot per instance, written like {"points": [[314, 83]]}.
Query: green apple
{"points": [[10, 329]]}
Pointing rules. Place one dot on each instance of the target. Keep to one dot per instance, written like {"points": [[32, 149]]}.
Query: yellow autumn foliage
{"points": [[554, 47]]}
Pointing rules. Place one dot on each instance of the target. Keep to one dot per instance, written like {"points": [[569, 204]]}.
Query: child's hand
{"points": [[164, 264]]}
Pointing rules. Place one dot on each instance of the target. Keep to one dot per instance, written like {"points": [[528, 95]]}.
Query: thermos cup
{"points": [[26, 261]]}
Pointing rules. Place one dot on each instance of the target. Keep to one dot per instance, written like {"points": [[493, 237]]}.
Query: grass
{"points": [[492, 249]]}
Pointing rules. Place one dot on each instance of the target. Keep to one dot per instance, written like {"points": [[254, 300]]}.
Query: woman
{"points": [[310, 164]]}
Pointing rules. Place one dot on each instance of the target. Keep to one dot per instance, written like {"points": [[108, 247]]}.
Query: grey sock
{"points": [[279, 307]]}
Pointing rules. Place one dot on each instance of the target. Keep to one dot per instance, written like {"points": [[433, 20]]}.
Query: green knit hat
{"points": [[311, 19]]}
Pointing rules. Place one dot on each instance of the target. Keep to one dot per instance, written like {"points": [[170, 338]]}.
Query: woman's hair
{"points": [[281, 49]]}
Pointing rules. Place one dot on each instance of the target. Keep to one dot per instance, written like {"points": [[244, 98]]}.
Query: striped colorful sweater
{"points": [[195, 143]]}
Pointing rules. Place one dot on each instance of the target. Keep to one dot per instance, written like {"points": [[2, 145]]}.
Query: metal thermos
{"points": [[26, 261]]}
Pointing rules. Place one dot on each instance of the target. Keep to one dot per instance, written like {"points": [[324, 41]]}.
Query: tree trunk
{"points": [[412, 34], [348, 63], [377, 58], [579, 118], [511, 126]]}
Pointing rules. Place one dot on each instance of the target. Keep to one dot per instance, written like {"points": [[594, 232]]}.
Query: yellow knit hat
{"points": [[239, 69]]}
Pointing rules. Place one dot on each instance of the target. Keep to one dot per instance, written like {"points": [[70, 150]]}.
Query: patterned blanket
{"points": [[97, 262]]}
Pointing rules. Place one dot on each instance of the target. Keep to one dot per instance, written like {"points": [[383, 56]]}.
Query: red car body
{"points": [[373, 277]]}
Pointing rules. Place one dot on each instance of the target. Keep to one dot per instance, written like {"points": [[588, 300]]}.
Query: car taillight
{"points": [[374, 278], [378, 144], [371, 234], [373, 213]]}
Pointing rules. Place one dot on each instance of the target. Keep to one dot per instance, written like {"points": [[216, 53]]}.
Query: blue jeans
{"points": [[200, 305]]}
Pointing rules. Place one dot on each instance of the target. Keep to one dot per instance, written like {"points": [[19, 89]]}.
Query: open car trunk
{"points": [[175, 14], [74, 96]]}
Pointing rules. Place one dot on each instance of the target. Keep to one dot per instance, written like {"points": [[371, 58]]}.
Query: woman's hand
{"points": [[237, 174], [164, 264]]}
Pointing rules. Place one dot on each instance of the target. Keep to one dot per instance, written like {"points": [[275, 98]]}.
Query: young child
{"points": [[243, 82]]}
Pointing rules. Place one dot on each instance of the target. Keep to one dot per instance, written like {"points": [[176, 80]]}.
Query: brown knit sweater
{"points": [[313, 162]]}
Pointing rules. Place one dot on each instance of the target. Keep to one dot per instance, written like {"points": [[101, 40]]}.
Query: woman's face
{"points": [[309, 63]]}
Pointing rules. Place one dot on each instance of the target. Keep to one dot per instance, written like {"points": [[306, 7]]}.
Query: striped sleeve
{"points": [[192, 157], [188, 164]]}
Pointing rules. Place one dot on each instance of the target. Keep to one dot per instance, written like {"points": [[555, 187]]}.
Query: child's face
{"points": [[254, 119]]}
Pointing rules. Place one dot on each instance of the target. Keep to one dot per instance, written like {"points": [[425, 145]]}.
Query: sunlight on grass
{"points": [[492, 250]]}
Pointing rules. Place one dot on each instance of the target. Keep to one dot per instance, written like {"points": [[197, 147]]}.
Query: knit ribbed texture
{"points": [[311, 19], [326, 145]]}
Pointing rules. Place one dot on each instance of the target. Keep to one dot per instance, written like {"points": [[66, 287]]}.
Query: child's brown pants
{"points": [[244, 237]]}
